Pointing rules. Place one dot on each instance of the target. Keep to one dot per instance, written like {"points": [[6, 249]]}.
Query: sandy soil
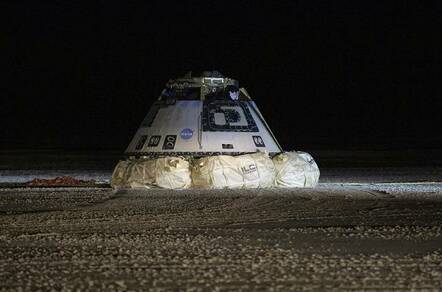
{"points": [[348, 236]]}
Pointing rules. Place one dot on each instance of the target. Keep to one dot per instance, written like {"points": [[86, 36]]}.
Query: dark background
{"points": [[325, 74]]}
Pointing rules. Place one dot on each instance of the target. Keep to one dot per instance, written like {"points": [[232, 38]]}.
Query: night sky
{"points": [[325, 74]]}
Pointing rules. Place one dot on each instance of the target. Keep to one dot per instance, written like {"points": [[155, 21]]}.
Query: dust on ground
{"points": [[348, 236]]}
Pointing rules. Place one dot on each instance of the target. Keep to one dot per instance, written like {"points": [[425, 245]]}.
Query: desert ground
{"points": [[386, 236], [360, 229]]}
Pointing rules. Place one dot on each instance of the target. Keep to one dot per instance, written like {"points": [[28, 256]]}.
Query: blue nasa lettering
{"points": [[186, 134]]}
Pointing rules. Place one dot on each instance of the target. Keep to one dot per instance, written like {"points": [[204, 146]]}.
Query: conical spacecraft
{"points": [[206, 132], [203, 116]]}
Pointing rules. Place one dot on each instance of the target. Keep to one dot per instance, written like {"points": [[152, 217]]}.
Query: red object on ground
{"points": [[59, 181]]}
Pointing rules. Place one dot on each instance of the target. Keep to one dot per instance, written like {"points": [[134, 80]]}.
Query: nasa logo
{"points": [[186, 134]]}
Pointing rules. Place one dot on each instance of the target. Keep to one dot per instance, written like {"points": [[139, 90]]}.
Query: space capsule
{"points": [[203, 116], [206, 132]]}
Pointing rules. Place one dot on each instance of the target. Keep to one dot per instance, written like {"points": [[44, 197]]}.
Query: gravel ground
{"points": [[347, 236]]}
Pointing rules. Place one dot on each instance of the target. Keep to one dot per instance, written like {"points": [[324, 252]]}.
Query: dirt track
{"points": [[349, 237]]}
